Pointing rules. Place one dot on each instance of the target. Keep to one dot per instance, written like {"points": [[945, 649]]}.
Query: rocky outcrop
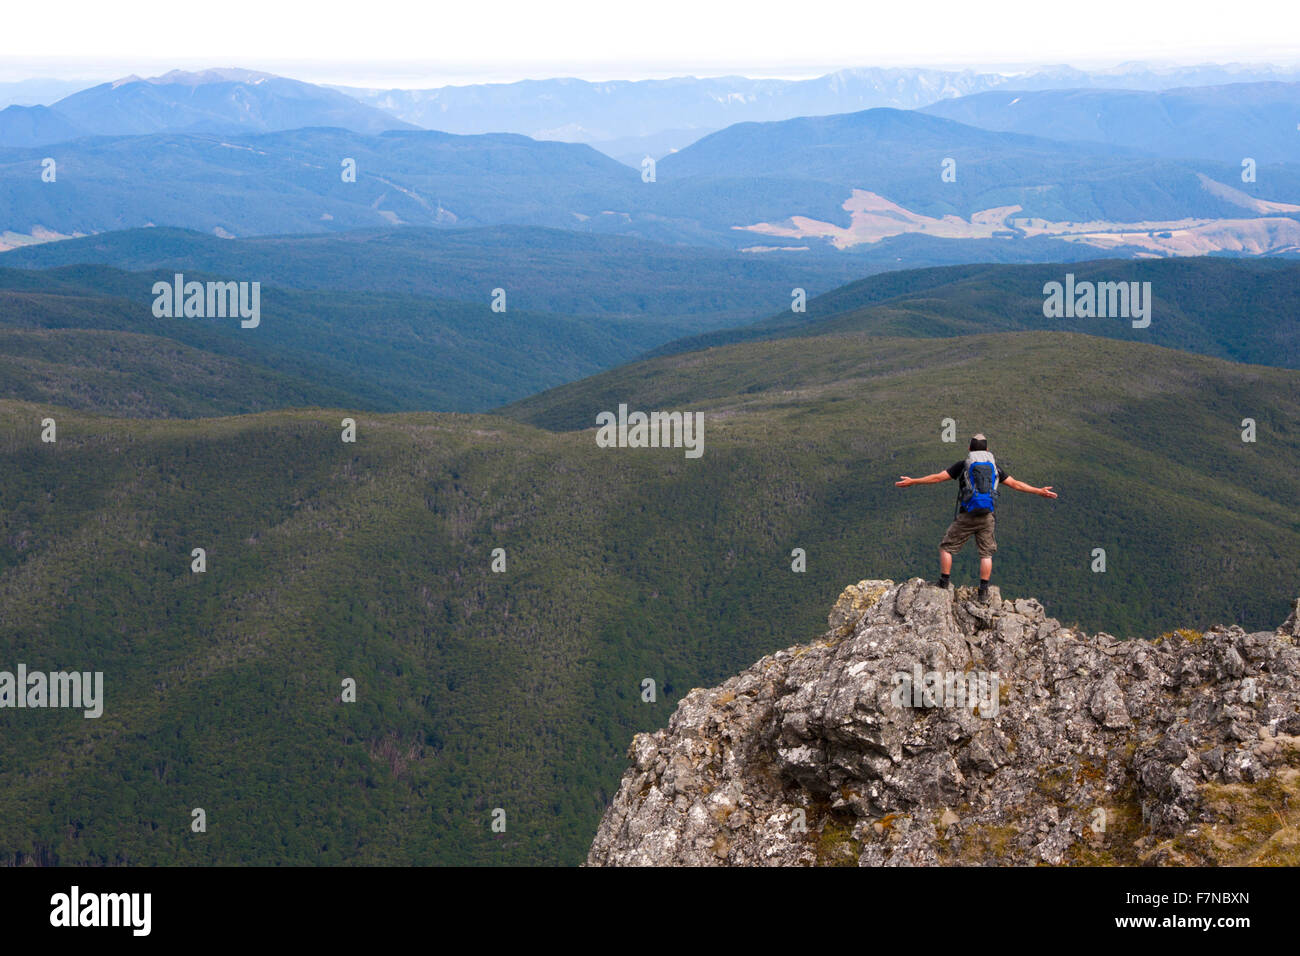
{"points": [[928, 728]]}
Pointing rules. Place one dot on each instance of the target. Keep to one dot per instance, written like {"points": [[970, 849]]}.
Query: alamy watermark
{"points": [[1098, 300], [76, 909], [651, 430], [975, 689], [82, 690], [208, 300]]}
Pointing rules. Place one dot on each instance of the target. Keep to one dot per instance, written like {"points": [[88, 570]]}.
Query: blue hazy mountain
{"points": [[207, 101], [847, 181], [35, 126], [1228, 123], [624, 119], [662, 115], [900, 155], [293, 181]]}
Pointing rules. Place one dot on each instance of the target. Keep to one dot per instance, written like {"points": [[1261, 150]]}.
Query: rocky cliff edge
{"points": [[928, 728]]}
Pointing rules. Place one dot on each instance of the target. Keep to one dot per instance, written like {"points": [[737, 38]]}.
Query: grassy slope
{"points": [[521, 690]]}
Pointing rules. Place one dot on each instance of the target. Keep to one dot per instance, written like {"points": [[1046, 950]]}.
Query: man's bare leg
{"points": [[945, 567], [986, 572]]}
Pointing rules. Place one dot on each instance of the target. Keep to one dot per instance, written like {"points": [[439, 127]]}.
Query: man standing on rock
{"points": [[980, 479]]}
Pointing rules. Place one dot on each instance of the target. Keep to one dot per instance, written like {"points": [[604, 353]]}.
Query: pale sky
{"points": [[414, 43]]}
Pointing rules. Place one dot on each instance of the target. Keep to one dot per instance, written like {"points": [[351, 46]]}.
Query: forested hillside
{"points": [[1239, 309], [519, 690]]}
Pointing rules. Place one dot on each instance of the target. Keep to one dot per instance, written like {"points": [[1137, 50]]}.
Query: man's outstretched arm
{"points": [[934, 479], [1018, 485]]}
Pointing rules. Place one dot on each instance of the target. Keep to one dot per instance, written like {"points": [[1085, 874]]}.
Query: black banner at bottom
{"points": [[334, 905]]}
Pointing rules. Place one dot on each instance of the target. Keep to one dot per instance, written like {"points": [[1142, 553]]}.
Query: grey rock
{"points": [[927, 727]]}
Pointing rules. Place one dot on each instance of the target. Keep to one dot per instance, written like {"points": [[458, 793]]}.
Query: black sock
{"points": [[984, 586], [943, 580]]}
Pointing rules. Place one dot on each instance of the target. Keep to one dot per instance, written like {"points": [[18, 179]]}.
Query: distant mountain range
{"points": [[210, 101], [36, 126], [293, 181], [624, 119], [629, 119], [818, 183], [239, 153], [1227, 123], [854, 179]]}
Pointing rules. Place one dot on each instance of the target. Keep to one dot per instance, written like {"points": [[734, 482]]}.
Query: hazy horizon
{"points": [[389, 44], [15, 70]]}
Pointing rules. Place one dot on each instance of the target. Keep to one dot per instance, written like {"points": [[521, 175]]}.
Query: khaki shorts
{"points": [[981, 526]]}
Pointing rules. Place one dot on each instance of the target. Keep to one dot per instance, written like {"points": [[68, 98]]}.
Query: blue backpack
{"points": [[979, 488]]}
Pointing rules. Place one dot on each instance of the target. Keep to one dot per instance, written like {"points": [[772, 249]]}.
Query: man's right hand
{"points": [[1047, 492], [906, 482]]}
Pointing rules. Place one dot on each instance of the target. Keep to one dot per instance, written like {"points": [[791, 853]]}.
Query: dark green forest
{"points": [[521, 690]]}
